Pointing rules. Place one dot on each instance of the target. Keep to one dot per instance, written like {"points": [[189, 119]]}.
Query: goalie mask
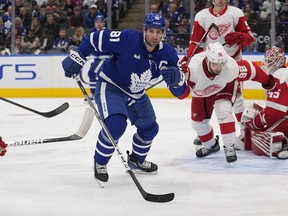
{"points": [[216, 57], [274, 58]]}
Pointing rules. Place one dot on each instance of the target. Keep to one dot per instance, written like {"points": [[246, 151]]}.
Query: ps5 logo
{"points": [[23, 71]]}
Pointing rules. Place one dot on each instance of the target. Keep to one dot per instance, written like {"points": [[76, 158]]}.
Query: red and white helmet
{"points": [[274, 58], [216, 53]]}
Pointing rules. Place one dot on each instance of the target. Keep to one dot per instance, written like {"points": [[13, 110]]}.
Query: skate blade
{"points": [[100, 183]]}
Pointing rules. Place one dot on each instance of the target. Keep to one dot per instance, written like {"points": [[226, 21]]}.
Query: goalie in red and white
{"points": [[267, 128]]}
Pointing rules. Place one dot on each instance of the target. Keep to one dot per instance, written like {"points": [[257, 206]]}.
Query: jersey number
{"points": [[115, 36], [274, 94], [242, 72]]}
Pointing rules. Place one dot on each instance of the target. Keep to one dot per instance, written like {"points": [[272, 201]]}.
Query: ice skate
{"points": [[230, 154], [203, 152], [146, 167], [100, 174]]}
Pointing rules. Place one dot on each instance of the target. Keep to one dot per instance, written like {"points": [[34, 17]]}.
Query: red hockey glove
{"points": [[233, 38], [3, 146], [184, 66]]}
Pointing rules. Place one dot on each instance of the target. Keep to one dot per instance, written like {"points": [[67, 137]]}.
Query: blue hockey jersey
{"points": [[131, 67]]}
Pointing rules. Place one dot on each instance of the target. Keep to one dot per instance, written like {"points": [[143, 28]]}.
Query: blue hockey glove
{"points": [[172, 76], [73, 64]]}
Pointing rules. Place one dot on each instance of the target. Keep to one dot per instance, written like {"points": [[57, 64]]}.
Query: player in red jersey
{"points": [[212, 81], [274, 117], [234, 32]]}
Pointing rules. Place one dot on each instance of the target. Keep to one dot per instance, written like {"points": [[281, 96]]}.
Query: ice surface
{"points": [[57, 178]]}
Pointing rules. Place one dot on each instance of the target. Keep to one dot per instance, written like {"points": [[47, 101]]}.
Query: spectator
{"points": [[267, 7], [3, 29], [102, 7], [175, 18], [170, 35], [26, 17], [250, 15], [60, 16], [88, 3], [77, 38], [77, 3], [7, 49], [69, 8], [257, 6], [77, 18], [19, 26], [183, 36], [153, 8], [35, 10], [52, 26], [46, 42], [18, 5], [36, 27], [30, 42], [62, 42], [7, 17], [42, 14], [50, 5], [90, 16]]}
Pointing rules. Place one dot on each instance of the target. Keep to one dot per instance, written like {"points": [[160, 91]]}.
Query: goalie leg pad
{"points": [[266, 143]]}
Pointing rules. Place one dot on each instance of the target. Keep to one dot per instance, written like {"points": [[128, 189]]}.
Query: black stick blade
{"points": [[159, 198], [56, 111]]}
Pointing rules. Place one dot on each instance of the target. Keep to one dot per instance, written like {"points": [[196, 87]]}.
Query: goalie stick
{"points": [[49, 114], [82, 131], [213, 25], [147, 196]]}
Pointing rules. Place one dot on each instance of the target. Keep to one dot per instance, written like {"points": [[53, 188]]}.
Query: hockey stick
{"points": [[147, 196], [82, 131], [213, 25], [49, 114]]}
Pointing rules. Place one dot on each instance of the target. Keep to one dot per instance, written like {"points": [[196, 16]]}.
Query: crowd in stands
{"points": [[57, 26], [257, 12], [51, 26]]}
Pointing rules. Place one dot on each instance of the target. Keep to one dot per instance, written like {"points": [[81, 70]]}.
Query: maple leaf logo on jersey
{"points": [[223, 28], [139, 83], [209, 90]]}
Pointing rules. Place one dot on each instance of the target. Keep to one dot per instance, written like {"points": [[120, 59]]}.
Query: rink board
{"points": [[43, 76]]}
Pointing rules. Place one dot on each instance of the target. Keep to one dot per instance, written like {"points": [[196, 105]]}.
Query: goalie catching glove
{"points": [[73, 64], [250, 112], [3, 147], [172, 76]]}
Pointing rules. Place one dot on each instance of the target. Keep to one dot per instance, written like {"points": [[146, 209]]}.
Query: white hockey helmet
{"points": [[216, 53], [274, 58]]}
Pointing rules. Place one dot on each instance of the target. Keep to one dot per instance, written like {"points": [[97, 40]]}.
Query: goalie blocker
{"points": [[265, 143]]}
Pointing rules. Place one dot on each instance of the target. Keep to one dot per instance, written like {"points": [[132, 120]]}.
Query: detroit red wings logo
{"points": [[223, 28], [209, 90]]}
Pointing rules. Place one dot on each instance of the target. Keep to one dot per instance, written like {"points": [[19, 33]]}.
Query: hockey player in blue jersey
{"points": [[137, 59], [98, 57]]}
